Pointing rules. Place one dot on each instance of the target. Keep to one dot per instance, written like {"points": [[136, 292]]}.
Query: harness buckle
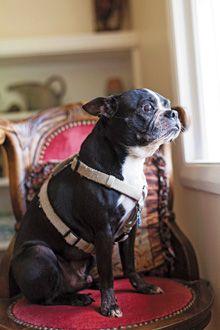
{"points": [[75, 163], [110, 181], [70, 238]]}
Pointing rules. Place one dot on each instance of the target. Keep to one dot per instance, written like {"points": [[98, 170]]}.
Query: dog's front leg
{"points": [[103, 245], [126, 249]]}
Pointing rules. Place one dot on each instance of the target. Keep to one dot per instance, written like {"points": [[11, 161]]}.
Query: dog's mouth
{"points": [[172, 133], [162, 133], [167, 131], [175, 128]]}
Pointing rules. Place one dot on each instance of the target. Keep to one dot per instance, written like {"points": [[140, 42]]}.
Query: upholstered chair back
{"points": [[47, 137]]}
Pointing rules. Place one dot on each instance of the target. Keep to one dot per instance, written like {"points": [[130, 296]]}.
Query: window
{"points": [[206, 26], [196, 36]]}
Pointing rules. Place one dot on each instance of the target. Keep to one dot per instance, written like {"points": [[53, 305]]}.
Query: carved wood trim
{"points": [[2, 136]]}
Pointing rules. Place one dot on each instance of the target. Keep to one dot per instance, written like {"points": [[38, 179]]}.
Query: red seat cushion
{"points": [[137, 308]]}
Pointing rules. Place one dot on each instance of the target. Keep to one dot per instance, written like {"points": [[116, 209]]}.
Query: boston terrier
{"points": [[132, 126]]}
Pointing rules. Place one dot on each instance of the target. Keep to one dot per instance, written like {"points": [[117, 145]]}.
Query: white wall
{"points": [[26, 18], [149, 19], [198, 213]]}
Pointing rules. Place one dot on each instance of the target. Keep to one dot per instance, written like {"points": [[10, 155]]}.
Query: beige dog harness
{"points": [[104, 179]]}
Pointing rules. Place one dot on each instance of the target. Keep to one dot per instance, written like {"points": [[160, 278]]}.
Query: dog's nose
{"points": [[171, 114]]}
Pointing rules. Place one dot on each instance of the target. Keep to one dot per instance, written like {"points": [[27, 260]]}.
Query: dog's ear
{"points": [[183, 117], [102, 106]]}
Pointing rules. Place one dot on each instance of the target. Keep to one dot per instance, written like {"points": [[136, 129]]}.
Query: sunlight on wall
{"points": [[65, 17]]}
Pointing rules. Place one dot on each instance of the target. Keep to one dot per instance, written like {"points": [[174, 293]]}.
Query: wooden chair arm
{"points": [[2, 136], [10, 142], [186, 265]]}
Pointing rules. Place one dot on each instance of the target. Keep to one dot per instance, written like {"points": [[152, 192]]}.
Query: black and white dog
{"points": [[44, 267]]}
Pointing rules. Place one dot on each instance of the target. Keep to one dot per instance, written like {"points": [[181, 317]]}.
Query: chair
{"points": [[55, 134]]}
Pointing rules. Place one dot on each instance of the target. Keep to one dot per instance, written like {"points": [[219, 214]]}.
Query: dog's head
{"points": [[139, 119]]}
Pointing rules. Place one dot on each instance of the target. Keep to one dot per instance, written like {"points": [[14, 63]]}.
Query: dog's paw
{"points": [[143, 287], [81, 300], [111, 311], [149, 289], [109, 306]]}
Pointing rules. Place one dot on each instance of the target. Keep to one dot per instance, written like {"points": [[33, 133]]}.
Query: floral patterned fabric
{"points": [[153, 250], [35, 177]]}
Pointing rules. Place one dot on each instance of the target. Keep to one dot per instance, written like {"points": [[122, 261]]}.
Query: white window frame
{"points": [[200, 176]]}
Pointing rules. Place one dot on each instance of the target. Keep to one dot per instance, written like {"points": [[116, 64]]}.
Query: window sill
{"points": [[204, 177]]}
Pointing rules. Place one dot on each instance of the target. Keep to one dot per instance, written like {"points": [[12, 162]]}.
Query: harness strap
{"points": [[101, 178], [106, 180], [126, 226], [61, 227], [59, 167]]}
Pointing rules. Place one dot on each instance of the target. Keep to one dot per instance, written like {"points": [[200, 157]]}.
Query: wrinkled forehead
{"points": [[156, 99]]}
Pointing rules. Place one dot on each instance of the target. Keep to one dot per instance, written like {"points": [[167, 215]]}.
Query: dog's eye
{"points": [[148, 107]]}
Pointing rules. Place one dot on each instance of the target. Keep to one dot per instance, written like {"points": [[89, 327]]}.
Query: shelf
{"points": [[62, 45]]}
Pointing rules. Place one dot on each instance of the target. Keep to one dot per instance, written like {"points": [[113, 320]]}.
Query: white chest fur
{"points": [[132, 171]]}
